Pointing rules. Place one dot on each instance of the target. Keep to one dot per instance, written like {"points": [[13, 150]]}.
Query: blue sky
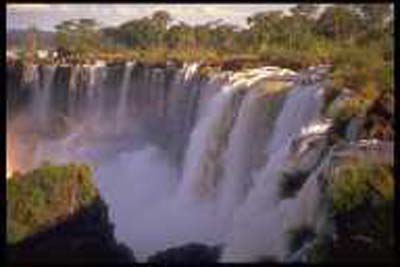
{"points": [[46, 16]]}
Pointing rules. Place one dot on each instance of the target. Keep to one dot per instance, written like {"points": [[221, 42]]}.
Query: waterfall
{"points": [[45, 96], [180, 158], [123, 103], [202, 154], [36, 91], [240, 154], [258, 224]]}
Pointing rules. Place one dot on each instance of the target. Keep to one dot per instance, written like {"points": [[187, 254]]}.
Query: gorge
{"points": [[230, 159]]}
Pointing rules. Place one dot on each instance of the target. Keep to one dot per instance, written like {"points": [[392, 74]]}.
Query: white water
{"points": [[218, 197], [122, 102], [258, 224], [238, 156], [198, 173], [37, 93], [44, 96]]}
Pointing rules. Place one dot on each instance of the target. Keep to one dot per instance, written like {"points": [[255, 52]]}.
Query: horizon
{"points": [[45, 16]]}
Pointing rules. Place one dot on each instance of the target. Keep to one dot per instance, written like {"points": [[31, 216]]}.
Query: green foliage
{"points": [[320, 251], [349, 108], [364, 235], [78, 36], [355, 70], [37, 199], [339, 22], [357, 183]]}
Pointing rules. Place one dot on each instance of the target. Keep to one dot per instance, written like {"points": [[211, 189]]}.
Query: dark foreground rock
{"points": [[56, 215], [85, 237], [191, 253]]}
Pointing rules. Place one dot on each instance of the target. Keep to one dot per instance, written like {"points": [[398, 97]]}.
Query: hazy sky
{"points": [[46, 16]]}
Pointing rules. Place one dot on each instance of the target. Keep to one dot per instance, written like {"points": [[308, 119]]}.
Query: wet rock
{"points": [[191, 253], [353, 128]]}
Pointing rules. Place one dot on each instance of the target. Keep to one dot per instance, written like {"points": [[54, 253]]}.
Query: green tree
{"points": [[339, 22], [79, 36], [305, 10], [181, 36], [266, 26], [375, 18], [160, 20]]}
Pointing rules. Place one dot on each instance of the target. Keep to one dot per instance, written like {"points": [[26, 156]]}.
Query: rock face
{"points": [[252, 145], [86, 237], [55, 214], [191, 253]]}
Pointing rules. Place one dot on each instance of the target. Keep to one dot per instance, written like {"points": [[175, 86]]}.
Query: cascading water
{"points": [[258, 225], [240, 154], [178, 158], [42, 99], [202, 154], [122, 102]]}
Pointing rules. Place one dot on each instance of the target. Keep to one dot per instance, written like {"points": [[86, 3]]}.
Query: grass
{"points": [[38, 199]]}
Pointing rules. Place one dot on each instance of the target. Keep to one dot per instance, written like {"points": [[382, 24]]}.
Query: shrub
{"points": [[37, 199], [364, 235], [320, 251], [355, 184]]}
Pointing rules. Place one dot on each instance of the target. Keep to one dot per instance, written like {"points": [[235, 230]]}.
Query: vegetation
{"points": [[37, 200], [305, 36], [363, 235], [78, 36], [320, 251], [362, 197], [55, 214], [358, 183]]}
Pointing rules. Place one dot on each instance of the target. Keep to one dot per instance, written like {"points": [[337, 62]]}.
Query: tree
{"points": [[78, 36], [375, 14], [181, 36], [374, 18], [339, 22], [305, 10], [266, 26], [223, 36], [31, 43], [160, 19]]}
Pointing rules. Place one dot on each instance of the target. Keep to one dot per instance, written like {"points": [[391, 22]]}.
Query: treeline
{"points": [[304, 28]]}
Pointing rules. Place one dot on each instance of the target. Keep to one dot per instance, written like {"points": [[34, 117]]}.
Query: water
{"points": [[179, 159], [122, 102], [258, 224]]}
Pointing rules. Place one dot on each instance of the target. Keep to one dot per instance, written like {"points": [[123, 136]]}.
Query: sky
{"points": [[46, 16]]}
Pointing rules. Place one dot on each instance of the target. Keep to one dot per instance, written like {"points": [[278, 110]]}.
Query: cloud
{"points": [[46, 16], [28, 7]]}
